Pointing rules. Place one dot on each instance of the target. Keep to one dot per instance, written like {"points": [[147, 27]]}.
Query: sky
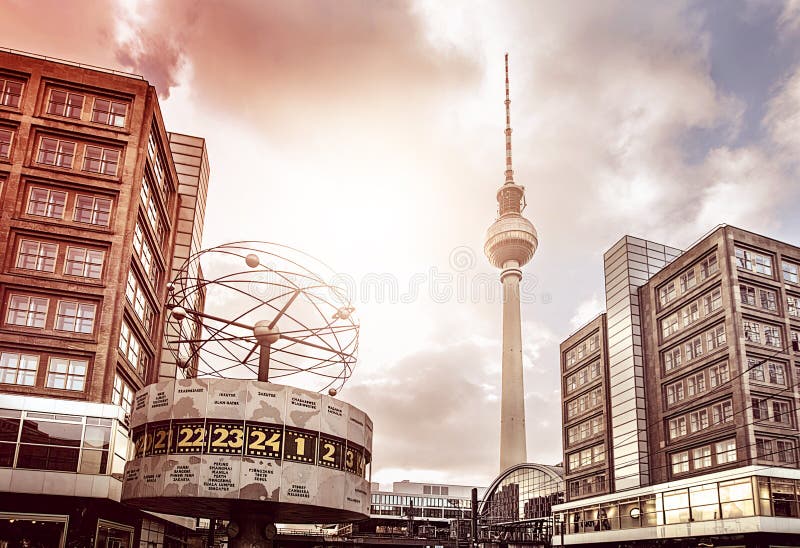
{"points": [[370, 134]]}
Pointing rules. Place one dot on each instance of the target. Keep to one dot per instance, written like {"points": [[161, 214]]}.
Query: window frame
{"points": [[58, 152], [65, 106], [102, 161], [95, 211], [7, 145], [38, 256], [77, 319], [85, 262], [49, 203], [28, 311], [110, 115], [67, 374], [19, 372], [5, 93]]}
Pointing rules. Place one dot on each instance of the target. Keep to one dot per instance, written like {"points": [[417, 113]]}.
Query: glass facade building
{"points": [[628, 265]]}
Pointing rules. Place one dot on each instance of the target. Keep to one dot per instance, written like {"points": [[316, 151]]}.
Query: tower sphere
{"points": [[511, 238]]}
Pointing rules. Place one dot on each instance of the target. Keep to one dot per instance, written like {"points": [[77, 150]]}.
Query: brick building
{"points": [[91, 210], [705, 366]]}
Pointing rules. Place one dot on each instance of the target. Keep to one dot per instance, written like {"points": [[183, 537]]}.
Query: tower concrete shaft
{"points": [[511, 242], [513, 445]]}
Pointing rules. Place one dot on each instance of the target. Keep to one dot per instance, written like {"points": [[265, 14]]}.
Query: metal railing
{"points": [[72, 63]]}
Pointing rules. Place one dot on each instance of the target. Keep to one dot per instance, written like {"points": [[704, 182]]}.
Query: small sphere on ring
{"points": [[252, 260], [179, 313], [332, 392]]}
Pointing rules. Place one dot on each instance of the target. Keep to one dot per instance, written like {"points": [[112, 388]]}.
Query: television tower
{"points": [[511, 242]]}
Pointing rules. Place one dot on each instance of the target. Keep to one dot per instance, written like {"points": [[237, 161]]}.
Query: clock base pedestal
{"points": [[250, 533]]}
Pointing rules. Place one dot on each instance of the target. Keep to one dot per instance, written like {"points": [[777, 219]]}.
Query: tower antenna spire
{"points": [[509, 169]]}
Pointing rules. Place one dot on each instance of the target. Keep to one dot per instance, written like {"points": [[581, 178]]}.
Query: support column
{"points": [[251, 532], [513, 445]]}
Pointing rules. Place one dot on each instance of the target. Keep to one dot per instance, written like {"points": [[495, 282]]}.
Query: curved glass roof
{"points": [[523, 492]]}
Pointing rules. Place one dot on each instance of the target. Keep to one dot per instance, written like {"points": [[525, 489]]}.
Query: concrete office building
{"points": [[718, 331], [89, 198]]}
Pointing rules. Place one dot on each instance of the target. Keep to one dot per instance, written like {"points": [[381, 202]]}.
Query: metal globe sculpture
{"points": [[227, 441], [270, 312]]}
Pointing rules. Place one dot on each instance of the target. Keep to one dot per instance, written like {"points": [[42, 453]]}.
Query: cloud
{"points": [[80, 31], [435, 412], [789, 19], [279, 62], [587, 310], [782, 120]]}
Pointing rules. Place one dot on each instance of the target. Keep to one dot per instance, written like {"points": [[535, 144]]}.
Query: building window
{"points": [[785, 451], [155, 160], [152, 215], [688, 280], [781, 412], [66, 104], [767, 371], [123, 394], [754, 262], [101, 160], [709, 266], [672, 359], [6, 138], [75, 317], [135, 295], [795, 340], [142, 249], [10, 93], [748, 295], [696, 384], [701, 457], [764, 449], [675, 393], [92, 210], [680, 462], [667, 293], [677, 428], [44, 202], [67, 374], [694, 348], [85, 263], [712, 301], [715, 338], [793, 308], [719, 374], [572, 357], [759, 406], [772, 336], [725, 451], [698, 421], [790, 272], [752, 332], [690, 314], [110, 113], [16, 368], [27, 311], [54, 152], [721, 412], [34, 255], [669, 325], [130, 346]]}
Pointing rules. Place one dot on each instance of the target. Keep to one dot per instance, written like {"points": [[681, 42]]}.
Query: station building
{"points": [[92, 211], [415, 509], [680, 402]]}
